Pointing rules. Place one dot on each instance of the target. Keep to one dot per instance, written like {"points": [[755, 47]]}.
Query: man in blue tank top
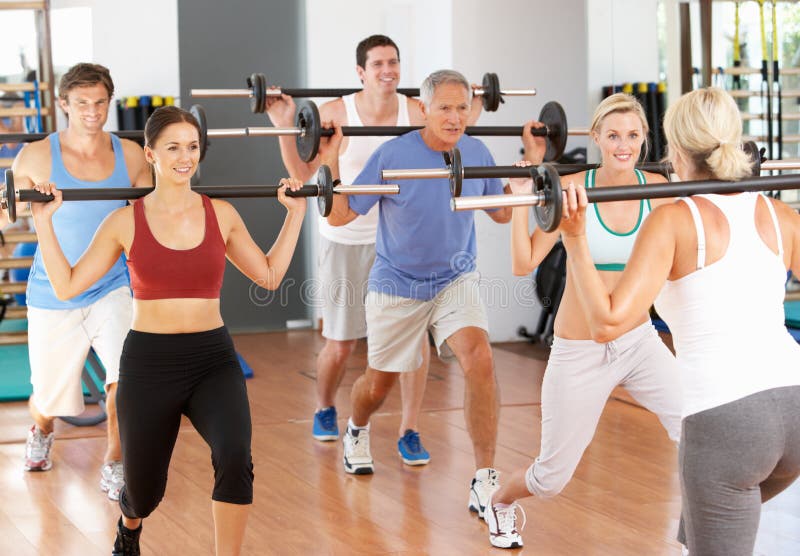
{"points": [[60, 333]]}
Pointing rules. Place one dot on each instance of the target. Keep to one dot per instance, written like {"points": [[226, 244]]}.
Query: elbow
{"points": [[336, 220], [603, 333], [63, 295], [520, 269]]}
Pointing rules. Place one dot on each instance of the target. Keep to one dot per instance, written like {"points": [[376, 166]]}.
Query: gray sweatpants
{"points": [[731, 459], [579, 379]]}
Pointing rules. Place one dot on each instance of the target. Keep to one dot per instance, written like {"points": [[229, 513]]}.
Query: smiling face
{"points": [[175, 153], [86, 107], [446, 117], [620, 139], [381, 71]]}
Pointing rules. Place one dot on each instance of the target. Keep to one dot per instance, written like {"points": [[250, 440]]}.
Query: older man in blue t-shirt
{"points": [[424, 276]]}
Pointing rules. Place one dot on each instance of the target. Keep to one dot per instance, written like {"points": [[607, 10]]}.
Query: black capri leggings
{"points": [[164, 376]]}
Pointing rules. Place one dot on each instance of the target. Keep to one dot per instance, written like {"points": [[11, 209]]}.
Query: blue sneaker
{"points": [[411, 450], [325, 426]]}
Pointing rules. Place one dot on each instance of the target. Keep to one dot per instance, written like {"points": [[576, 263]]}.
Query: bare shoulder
{"points": [[415, 116], [132, 151], [121, 219], [32, 163], [785, 213], [228, 218], [334, 110], [672, 214], [223, 207]]}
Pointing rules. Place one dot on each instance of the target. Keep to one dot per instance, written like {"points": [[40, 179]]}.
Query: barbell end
{"points": [[518, 92], [221, 93]]}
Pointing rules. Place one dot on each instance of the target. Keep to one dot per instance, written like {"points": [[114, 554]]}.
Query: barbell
{"points": [[308, 130], [258, 90], [323, 189], [456, 172], [547, 200]]}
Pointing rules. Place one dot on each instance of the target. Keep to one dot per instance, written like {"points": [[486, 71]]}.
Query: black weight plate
{"points": [[11, 198], [256, 83], [200, 115], [546, 180], [325, 184], [307, 119], [456, 172], [554, 117], [491, 92]]}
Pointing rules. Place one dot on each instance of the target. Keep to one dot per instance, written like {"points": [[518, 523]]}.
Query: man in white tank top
{"points": [[347, 252]]}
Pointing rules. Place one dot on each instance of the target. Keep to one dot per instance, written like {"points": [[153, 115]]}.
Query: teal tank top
{"points": [[610, 250]]}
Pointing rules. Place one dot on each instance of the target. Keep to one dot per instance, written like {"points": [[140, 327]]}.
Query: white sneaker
{"points": [[684, 550], [112, 479], [357, 458], [483, 486], [502, 524], [37, 450]]}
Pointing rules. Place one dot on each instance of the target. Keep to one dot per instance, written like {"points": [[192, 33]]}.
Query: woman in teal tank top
{"points": [[583, 367]]}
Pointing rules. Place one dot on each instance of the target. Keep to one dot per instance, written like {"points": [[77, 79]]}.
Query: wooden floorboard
{"points": [[624, 499]]}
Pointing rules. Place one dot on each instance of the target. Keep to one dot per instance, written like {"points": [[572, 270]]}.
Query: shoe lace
{"points": [[361, 444], [39, 445], [130, 544], [507, 519], [412, 441], [327, 418]]}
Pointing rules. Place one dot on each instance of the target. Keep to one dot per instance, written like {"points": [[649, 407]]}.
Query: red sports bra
{"points": [[158, 272]]}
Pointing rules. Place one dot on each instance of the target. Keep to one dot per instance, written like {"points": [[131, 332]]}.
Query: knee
{"points": [[380, 384], [478, 363], [545, 484], [140, 504], [341, 350], [233, 472]]}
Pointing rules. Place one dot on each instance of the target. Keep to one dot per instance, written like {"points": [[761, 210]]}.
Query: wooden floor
{"points": [[624, 499]]}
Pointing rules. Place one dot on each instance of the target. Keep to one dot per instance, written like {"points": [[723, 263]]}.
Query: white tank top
{"points": [[363, 229], [727, 319], [611, 250]]}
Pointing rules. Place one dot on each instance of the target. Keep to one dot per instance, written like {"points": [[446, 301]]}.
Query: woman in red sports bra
{"points": [[178, 358]]}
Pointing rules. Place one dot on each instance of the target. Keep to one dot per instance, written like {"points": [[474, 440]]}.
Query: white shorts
{"points": [[59, 341], [344, 272], [398, 326]]}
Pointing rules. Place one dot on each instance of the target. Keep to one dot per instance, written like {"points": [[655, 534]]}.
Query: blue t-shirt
{"points": [[421, 246]]}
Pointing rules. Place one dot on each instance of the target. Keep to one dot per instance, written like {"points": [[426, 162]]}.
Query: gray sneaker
{"points": [[37, 450], [111, 479]]}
